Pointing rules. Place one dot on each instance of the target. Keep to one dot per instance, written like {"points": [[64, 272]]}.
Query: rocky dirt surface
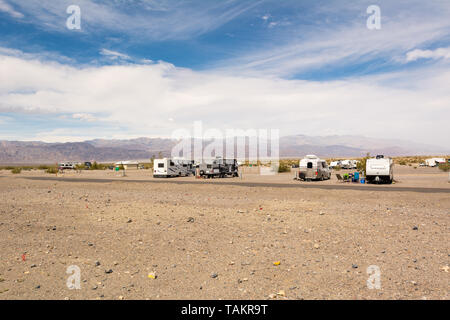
{"points": [[169, 241]]}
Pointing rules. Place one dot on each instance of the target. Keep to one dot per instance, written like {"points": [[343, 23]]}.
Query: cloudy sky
{"points": [[146, 68]]}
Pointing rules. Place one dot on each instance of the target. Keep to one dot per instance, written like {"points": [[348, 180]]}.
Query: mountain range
{"points": [[296, 146]]}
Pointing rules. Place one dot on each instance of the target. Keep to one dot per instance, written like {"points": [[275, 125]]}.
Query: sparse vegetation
{"points": [[361, 164], [337, 168], [284, 167], [444, 166], [16, 170], [52, 170], [98, 166]]}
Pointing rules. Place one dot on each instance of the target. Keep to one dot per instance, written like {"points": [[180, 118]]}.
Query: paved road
{"points": [[311, 185]]}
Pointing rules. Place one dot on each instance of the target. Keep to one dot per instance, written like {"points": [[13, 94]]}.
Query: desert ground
{"points": [[136, 237]]}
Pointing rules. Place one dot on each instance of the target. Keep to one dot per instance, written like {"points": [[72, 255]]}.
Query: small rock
{"points": [[272, 296], [129, 221], [33, 266], [316, 246], [190, 219], [108, 271], [214, 275], [97, 263], [281, 293], [415, 228], [354, 266]]}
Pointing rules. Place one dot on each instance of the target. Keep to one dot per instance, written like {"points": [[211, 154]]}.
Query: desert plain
{"points": [[255, 237]]}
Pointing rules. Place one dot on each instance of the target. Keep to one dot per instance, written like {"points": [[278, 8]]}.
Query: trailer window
{"points": [[171, 163], [208, 166], [309, 165], [160, 165]]}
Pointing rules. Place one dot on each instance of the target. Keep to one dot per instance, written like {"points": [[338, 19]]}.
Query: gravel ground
{"points": [[169, 241]]}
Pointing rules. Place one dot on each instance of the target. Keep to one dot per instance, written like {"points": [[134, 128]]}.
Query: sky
{"points": [[148, 68]]}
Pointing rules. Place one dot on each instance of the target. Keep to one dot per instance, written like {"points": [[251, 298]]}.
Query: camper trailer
{"points": [[313, 168], [335, 164], [219, 167], [348, 164], [380, 169], [433, 162]]}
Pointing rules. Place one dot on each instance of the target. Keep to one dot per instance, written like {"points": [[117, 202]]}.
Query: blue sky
{"points": [[147, 68]]}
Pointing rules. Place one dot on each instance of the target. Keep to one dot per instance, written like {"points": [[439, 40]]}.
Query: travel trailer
{"points": [[67, 166], [165, 168], [335, 164], [313, 168], [219, 167], [380, 169], [433, 162], [348, 164]]}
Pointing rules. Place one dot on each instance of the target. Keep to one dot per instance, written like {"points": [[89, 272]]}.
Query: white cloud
{"points": [[440, 53], [140, 100], [114, 55], [84, 117], [6, 7], [344, 41], [157, 20]]}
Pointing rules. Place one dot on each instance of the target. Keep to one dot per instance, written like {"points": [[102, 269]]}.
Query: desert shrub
{"points": [[43, 167], [361, 164], [284, 167], [52, 170], [337, 168], [98, 166], [402, 162], [444, 166], [16, 170]]}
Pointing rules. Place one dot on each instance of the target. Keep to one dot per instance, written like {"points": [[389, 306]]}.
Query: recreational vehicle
{"points": [[348, 164], [380, 169], [219, 168], [164, 168], [335, 164], [313, 168], [433, 162]]}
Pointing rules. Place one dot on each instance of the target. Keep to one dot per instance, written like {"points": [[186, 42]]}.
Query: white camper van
{"points": [[380, 169], [164, 168], [313, 168]]}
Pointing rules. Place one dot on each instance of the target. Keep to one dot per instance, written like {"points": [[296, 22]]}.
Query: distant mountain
{"points": [[101, 150]]}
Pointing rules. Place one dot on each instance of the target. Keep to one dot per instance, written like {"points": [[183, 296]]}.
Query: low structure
{"points": [[127, 165]]}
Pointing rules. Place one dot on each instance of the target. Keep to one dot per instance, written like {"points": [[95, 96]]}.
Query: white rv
{"points": [[380, 169], [335, 164], [433, 162], [313, 168], [348, 164], [164, 168]]}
